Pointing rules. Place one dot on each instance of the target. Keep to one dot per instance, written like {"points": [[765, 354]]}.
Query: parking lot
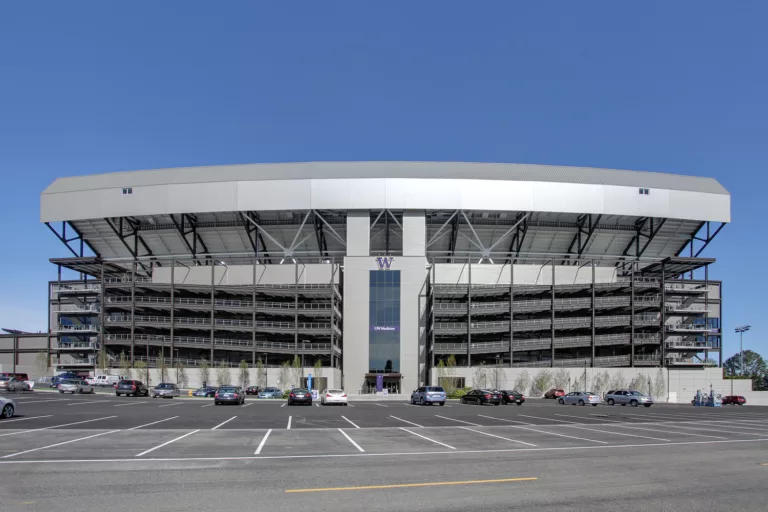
{"points": [[52, 428]]}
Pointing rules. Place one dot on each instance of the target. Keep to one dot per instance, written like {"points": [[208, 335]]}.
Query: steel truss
{"points": [[79, 251], [653, 228], [188, 226], [710, 235], [133, 232], [586, 228]]}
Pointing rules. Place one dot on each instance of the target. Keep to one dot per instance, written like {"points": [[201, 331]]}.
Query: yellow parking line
{"points": [[425, 484]]}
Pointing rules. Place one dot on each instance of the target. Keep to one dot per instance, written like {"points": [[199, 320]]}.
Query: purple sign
{"points": [[385, 328], [379, 382]]}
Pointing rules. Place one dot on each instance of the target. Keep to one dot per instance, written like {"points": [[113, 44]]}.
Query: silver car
{"points": [[166, 390], [7, 407], [13, 384], [75, 386], [579, 398], [627, 397]]}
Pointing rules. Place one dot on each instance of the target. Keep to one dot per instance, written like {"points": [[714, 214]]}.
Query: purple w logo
{"points": [[384, 262]]}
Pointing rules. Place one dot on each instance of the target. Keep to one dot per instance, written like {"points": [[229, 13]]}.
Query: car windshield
{"points": [[227, 390], [165, 386], [300, 391], [72, 382], [271, 390], [436, 389], [335, 391]]}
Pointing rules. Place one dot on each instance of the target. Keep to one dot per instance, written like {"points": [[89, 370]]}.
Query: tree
{"points": [[142, 371], [450, 373], [522, 381], [297, 371], [42, 362], [162, 368], [285, 374], [318, 369], [181, 374], [541, 383], [205, 371], [710, 362], [600, 382], [222, 373], [580, 383], [480, 377], [659, 385], [261, 374], [243, 375], [638, 383], [498, 377], [754, 367], [101, 360], [562, 378], [125, 366]]}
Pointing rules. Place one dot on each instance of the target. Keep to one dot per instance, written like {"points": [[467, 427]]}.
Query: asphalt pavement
{"points": [[61, 452]]}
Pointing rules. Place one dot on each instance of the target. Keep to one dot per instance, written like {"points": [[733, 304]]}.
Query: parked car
{"points": [[19, 376], [131, 387], [229, 395], [333, 396], [106, 380], [166, 390], [428, 395], [13, 384], [253, 390], [512, 397], [271, 393], [207, 391], [63, 376], [481, 397], [734, 400], [554, 393], [579, 398], [300, 396], [7, 407], [75, 386], [627, 397]]}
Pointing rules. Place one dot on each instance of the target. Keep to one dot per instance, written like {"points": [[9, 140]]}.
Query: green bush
{"points": [[459, 393], [285, 394]]}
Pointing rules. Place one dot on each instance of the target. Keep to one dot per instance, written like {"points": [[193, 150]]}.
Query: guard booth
{"points": [[383, 381]]}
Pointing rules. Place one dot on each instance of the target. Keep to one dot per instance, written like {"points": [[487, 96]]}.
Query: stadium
{"points": [[377, 271]]}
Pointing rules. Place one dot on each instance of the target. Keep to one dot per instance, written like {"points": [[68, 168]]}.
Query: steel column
{"points": [[432, 316], [552, 326], [333, 315], [706, 310], [593, 313], [295, 310], [511, 312], [213, 305], [102, 342], [253, 316], [469, 313], [48, 332], [663, 335], [173, 304], [721, 326], [632, 317], [133, 314]]}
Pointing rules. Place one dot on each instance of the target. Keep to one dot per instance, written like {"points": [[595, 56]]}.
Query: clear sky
{"points": [[89, 87]]}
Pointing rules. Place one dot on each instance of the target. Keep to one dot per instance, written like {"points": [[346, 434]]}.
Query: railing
{"points": [[679, 307], [76, 328], [77, 345], [74, 308], [560, 342], [545, 304], [694, 345], [127, 279], [76, 288], [323, 306], [306, 348], [683, 327], [122, 319], [543, 322], [685, 287]]}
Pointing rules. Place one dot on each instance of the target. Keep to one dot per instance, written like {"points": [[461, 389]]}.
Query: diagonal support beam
{"points": [[333, 231], [322, 244], [508, 232], [186, 226], [517, 239], [654, 232], [134, 251], [479, 243], [253, 234], [78, 250], [440, 230], [454, 234]]}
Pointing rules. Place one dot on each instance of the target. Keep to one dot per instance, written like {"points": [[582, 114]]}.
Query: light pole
{"points": [[741, 330]]}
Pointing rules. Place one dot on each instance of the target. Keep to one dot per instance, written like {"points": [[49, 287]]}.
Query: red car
{"points": [[734, 400], [554, 393]]}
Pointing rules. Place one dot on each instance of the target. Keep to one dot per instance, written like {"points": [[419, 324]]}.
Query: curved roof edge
{"points": [[387, 169]]}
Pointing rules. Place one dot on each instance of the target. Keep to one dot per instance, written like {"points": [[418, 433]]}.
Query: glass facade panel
{"points": [[384, 321]]}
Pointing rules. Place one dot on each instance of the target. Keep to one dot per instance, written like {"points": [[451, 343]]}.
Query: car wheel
{"points": [[561, 401], [623, 405], [519, 403], [61, 392], [7, 411], [421, 400], [647, 405], [441, 403], [610, 401], [594, 405], [633, 403], [581, 402]]}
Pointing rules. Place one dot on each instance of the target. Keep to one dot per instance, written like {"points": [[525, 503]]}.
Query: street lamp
{"points": [[741, 330]]}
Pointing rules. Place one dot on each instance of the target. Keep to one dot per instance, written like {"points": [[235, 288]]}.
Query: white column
{"points": [[358, 233], [414, 233]]}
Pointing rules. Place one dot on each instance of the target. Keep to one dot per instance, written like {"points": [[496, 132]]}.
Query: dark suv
{"points": [[131, 387]]}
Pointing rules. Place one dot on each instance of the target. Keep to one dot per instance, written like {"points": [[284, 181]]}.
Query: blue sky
{"points": [[661, 86]]}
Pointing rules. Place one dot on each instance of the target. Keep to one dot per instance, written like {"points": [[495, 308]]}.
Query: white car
{"points": [[7, 407], [13, 384], [579, 398], [333, 396], [75, 386]]}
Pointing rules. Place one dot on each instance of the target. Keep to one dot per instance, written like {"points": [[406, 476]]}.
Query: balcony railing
{"points": [[224, 322], [260, 345], [83, 328], [75, 288], [321, 307]]}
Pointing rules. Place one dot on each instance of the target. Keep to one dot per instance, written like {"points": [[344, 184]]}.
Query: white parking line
{"points": [[88, 402], [618, 433], [427, 438], [459, 421], [587, 418], [745, 427], [263, 442], [27, 418], [709, 429], [671, 432], [56, 426], [59, 444], [497, 437], [381, 405], [30, 402], [282, 405], [209, 405], [504, 419], [167, 443], [406, 421], [154, 422], [167, 405], [224, 423], [246, 405], [559, 435], [350, 422], [550, 419], [130, 403], [350, 439], [289, 422], [317, 405]]}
